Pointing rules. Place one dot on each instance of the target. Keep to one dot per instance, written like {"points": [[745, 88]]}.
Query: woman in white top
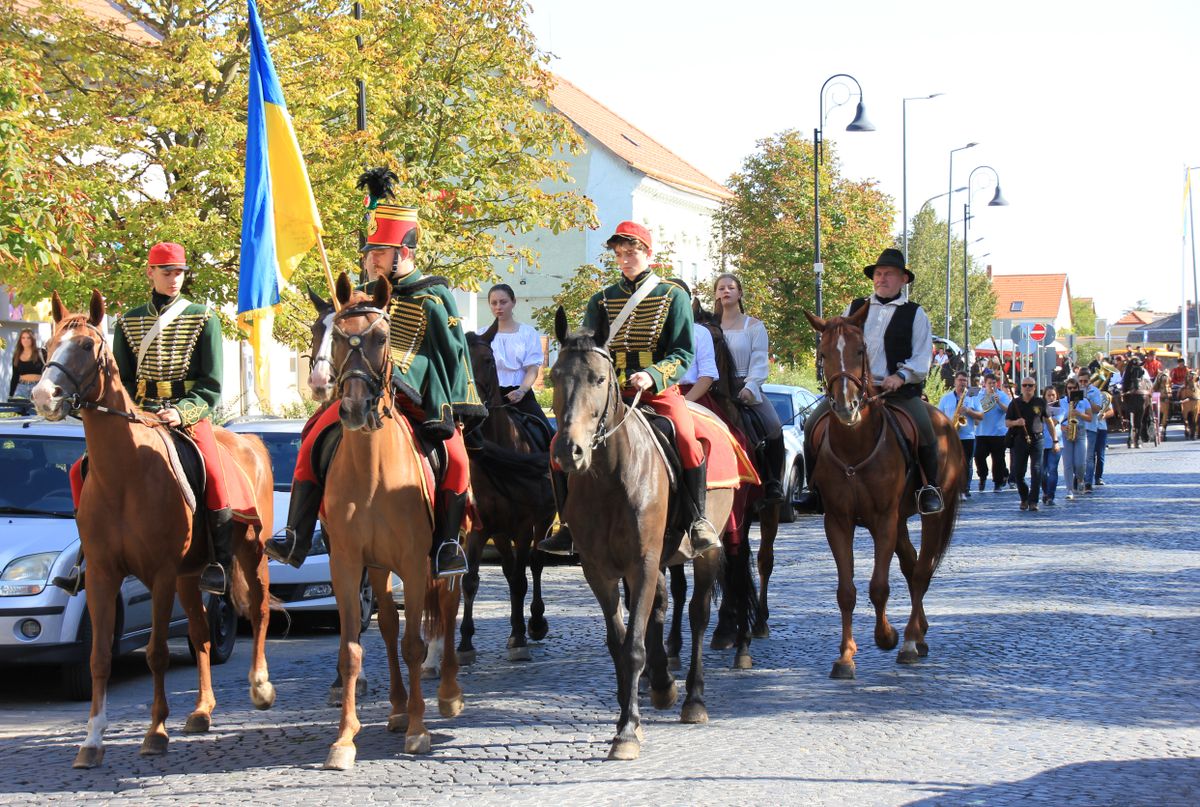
{"points": [[748, 344], [518, 351]]}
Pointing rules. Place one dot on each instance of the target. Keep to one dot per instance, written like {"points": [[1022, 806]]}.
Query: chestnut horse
{"points": [[133, 519], [1189, 402], [862, 472], [515, 506], [377, 514], [618, 504]]}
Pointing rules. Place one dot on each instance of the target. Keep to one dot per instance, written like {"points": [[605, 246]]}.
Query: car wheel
{"points": [[366, 603], [222, 629], [795, 484]]}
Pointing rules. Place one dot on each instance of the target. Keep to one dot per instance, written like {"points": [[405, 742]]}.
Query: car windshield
{"points": [[283, 448], [33, 474], [783, 405]]}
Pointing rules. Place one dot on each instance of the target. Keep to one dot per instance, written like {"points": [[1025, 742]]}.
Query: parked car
{"points": [[792, 405], [307, 591], [42, 624]]}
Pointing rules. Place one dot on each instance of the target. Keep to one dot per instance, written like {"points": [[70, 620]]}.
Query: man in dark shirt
{"points": [[1024, 419]]}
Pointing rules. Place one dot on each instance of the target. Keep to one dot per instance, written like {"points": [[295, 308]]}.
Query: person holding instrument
{"points": [[1074, 438], [1055, 415], [963, 410], [1025, 420]]}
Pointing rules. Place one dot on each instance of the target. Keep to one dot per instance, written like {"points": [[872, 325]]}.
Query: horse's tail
{"points": [[944, 525], [239, 593], [736, 581], [432, 625]]}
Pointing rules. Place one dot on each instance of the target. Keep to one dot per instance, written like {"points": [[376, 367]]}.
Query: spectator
{"points": [[28, 361]]}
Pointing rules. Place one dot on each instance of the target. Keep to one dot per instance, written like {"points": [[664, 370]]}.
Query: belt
{"points": [[163, 390]]}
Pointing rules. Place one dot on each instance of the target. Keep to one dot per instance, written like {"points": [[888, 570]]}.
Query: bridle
{"points": [[862, 380], [79, 399], [323, 353], [376, 381], [600, 436]]}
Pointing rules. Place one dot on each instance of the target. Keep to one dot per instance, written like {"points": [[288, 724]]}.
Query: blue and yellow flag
{"points": [[280, 222]]}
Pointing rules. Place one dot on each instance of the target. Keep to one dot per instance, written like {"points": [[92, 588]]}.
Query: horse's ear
{"points": [[382, 294], [560, 325], [57, 309], [601, 334], [342, 288], [859, 317], [317, 300], [817, 323], [96, 308]]}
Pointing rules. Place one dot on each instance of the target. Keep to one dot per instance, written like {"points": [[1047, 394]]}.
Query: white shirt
{"points": [[913, 369], [750, 349], [515, 353], [705, 362]]}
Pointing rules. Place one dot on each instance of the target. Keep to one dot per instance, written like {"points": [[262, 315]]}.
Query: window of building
{"points": [[1016, 306]]}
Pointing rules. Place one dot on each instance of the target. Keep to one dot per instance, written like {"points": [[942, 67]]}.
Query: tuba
{"points": [[989, 402]]}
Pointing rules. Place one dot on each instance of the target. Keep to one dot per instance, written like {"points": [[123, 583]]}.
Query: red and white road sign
{"points": [[1037, 332]]}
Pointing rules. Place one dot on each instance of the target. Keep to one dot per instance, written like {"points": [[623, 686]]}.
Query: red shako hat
{"points": [[167, 254], [631, 229], [386, 224]]}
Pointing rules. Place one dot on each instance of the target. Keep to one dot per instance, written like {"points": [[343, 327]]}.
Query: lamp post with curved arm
{"points": [[949, 217], [998, 200], [859, 124]]}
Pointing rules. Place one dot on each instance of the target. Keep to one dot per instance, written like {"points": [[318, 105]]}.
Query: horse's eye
{"points": [[87, 343]]}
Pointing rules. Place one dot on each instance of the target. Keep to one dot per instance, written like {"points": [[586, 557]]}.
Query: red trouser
{"points": [[671, 404], [457, 464], [216, 495]]}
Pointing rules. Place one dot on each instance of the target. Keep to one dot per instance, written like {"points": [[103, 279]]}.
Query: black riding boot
{"points": [[293, 546], [929, 498], [560, 542], [810, 500], [704, 535], [448, 556], [72, 582], [215, 577], [773, 492]]}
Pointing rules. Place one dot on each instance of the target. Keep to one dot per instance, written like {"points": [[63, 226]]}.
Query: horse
{"points": [[862, 470], [1189, 402], [133, 519], [1135, 400], [1166, 395], [377, 514], [514, 502], [618, 506]]}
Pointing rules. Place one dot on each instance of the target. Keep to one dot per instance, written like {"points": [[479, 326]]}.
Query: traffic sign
{"points": [[1019, 334], [1051, 334], [1037, 332]]}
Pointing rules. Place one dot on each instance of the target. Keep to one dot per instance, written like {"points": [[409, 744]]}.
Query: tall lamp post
{"points": [[949, 218], [998, 200], [904, 161], [859, 124]]}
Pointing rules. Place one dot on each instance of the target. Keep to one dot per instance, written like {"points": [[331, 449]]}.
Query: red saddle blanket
{"points": [[728, 464], [240, 490]]}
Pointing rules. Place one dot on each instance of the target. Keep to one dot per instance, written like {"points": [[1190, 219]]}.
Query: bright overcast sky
{"points": [[1086, 109]]}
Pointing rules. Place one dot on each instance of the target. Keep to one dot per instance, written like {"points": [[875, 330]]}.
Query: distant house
{"points": [[1029, 299], [1119, 331], [1164, 330]]}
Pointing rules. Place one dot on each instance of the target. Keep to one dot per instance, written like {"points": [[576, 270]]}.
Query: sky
{"points": [[1086, 110]]}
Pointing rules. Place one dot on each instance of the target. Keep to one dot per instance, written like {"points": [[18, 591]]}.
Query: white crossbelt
{"points": [[164, 319], [643, 291]]}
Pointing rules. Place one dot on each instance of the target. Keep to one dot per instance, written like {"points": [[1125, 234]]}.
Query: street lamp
{"points": [[859, 124], [949, 216], [904, 160], [998, 200]]}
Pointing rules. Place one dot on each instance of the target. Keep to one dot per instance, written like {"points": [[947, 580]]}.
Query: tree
{"points": [[1083, 312], [766, 230], [151, 136], [927, 259]]}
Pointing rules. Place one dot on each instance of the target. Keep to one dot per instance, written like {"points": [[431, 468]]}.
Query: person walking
{"points": [[1074, 438], [990, 433], [1051, 448], [1025, 418], [962, 409], [1097, 440]]}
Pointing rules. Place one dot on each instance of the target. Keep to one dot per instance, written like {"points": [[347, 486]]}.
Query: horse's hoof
{"points": [[88, 757], [519, 653], [154, 745], [722, 641], [843, 670], [887, 641], [625, 749], [907, 657], [538, 628], [673, 663], [197, 723], [429, 673], [693, 712], [666, 698], [335, 698], [341, 758], [762, 631], [450, 708], [263, 695], [466, 657], [922, 649], [743, 661], [398, 722], [420, 744]]}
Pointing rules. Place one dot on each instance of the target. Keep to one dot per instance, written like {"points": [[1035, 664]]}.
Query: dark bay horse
{"points": [[510, 481], [861, 469], [133, 519], [377, 514], [618, 508], [1135, 401]]}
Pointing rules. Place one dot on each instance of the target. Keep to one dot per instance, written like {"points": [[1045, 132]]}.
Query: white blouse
{"points": [[705, 361], [750, 352], [515, 353]]}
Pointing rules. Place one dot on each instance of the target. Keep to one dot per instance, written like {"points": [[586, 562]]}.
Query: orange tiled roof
{"points": [[630, 143], [1040, 295], [108, 16], [1138, 318]]}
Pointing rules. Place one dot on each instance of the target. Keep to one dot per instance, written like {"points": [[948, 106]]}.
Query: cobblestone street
{"points": [[1064, 668]]}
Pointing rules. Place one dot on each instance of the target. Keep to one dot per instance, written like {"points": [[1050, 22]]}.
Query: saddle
{"points": [[187, 463], [432, 453]]}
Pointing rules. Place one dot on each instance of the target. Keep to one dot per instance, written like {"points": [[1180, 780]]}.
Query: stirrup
{"points": [[281, 547], [558, 543], [702, 539], [929, 501], [72, 583], [209, 585], [457, 567]]}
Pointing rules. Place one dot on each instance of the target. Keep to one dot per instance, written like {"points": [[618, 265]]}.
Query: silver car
{"points": [[39, 623], [792, 405]]}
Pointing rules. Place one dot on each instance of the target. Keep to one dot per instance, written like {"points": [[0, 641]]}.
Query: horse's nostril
{"points": [[577, 451]]}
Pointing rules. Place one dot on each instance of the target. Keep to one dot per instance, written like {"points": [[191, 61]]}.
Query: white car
{"points": [[792, 405], [306, 591], [39, 623]]}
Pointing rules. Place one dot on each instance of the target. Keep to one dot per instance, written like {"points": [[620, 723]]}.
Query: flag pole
{"points": [[328, 272]]}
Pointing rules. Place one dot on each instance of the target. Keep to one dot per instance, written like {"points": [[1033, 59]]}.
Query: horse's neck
{"points": [[854, 443]]}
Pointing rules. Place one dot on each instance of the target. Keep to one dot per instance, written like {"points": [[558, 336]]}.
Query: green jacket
{"points": [[181, 367], [431, 363], [657, 338]]}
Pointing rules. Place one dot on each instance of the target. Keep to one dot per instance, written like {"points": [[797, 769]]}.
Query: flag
{"points": [[280, 222]]}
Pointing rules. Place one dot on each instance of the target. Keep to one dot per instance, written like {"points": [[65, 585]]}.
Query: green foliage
{"points": [[1083, 312], [795, 375], [148, 139], [767, 231], [935, 387], [1085, 351]]}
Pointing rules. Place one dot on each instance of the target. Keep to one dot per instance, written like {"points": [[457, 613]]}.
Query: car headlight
{"points": [[27, 575], [319, 547]]}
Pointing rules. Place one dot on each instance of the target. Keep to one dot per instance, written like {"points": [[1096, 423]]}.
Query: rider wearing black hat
{"points": [[899, 351]]}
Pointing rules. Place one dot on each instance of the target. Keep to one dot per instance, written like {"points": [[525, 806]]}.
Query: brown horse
{"points": [[618, 506], [1135, 401], [515, 505], [1162, 385], [377, 514], [133, 519], [861, 469]]}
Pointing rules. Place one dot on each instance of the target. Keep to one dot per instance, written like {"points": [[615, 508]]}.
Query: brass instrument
{"points": [[959, 418], [1107, 404], [989, 402], [1071, 427]]}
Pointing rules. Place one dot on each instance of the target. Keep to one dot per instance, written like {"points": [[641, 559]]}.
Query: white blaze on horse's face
{"points": [[49, 398], [846, 397], [320, 376]]}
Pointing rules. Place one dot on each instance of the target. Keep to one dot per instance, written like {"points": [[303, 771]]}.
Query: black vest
{"points": [[897, 339]]}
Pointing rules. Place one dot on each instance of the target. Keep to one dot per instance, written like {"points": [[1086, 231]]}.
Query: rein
{"points": [[600, 437], [376, 381], [78, 399], [863, 382]]}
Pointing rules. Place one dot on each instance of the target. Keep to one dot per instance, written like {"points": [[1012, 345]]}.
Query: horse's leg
{"points": [[884, 536], [346, 574], [663, 692], [608, 595], [102, 587], [679, 589], [158, 656], [705, 569], [466, 648], [450, 698], [412, 647], [907, 554], [200, 720], [840, 535], [641, 588], [388, 618], [768, 528], [253, 561], [538, 627], [934, 532], [518, 586]]}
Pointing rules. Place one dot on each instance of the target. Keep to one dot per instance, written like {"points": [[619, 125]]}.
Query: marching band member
{"points": [[962, 409], [990, 432], [1074, 438], [1051, 428], [1025, 418]]}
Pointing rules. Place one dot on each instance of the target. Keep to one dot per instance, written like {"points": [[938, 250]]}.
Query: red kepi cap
{"points": [[631, 229], [167, 254]]}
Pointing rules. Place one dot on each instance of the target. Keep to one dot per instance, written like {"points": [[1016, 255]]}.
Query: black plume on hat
{"points": [[378, 182]]}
